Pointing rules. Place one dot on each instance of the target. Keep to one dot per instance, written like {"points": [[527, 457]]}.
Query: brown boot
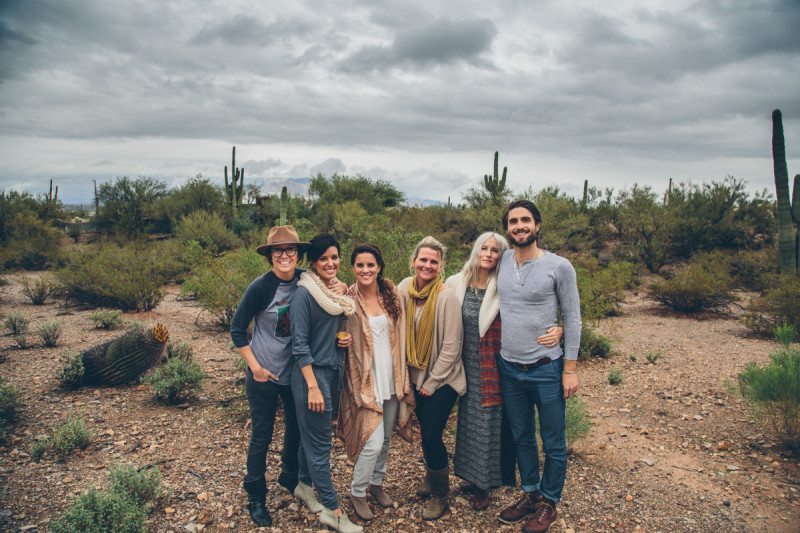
{"points": [[522, 508], [423, 489], [361, 507], [545, 515], [440, 488], [380, 496], [479, 499]]}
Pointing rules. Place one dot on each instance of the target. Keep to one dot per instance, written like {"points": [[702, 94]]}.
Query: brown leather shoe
{"points": [[479, 499], [380, 496], [522, 508], [361, 507], [545, 515]]}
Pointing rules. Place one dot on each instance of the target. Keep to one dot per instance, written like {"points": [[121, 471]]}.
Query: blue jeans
{"points": [[540, 386]]}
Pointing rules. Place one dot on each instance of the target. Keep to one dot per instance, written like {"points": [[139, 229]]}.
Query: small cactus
{"points": [[125, 358], [496, 185]]}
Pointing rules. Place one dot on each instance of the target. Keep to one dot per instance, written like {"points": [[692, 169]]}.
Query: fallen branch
{"points": [[156, 463]]}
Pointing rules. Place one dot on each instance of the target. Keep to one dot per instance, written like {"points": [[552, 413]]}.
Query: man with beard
{"points": [[534, 285]]}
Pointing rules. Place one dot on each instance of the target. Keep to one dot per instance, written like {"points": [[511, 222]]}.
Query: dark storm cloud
{"points": [[246, 30], [439, 42]]}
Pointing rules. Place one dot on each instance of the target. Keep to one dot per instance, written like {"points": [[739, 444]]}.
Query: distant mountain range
{"points": [[299, 187]]}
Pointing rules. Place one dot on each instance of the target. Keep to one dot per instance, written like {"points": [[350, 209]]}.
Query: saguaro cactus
{"points": [[585, 198], [50, 198], [788, 212], [125, 358], [496, 185], [235, 189], [284, 206]]}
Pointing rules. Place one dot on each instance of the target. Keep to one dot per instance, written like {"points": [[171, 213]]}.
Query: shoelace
{"points": [[542, 508]]}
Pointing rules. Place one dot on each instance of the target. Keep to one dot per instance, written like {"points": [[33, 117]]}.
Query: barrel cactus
{"points": [[125, 358]]}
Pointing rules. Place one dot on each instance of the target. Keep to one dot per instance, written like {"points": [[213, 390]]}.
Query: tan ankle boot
{"points": [[361, 507]]}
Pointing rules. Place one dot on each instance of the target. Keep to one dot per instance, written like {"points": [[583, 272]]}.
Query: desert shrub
{"points": [[107, 318], [653, 356], [50, 333], [779, 305], [755, 270], [129, 207], [566, 224], [39, 448], [9, 403], [786, 334], [602, 290], [23, 341], [123, 277], [16, 323], [99, 512], [646, 225], [197, 194], [593, 344], [39, 290], [576, 420], [143, 485], [615, 376], [208, 230], [72, 434], [775, 390], [180, 350], [218, 283], [71, 370], [695, 287], [32, 243], [174, 380]]}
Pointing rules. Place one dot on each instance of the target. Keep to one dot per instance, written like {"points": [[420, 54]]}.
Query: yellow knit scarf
{"points": [[419, 336]]}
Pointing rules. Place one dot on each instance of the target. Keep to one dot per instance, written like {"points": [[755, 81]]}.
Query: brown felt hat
{"points": [[281, 235]]}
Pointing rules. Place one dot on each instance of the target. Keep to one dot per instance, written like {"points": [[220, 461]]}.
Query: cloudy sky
{"points": [[416, 92]]}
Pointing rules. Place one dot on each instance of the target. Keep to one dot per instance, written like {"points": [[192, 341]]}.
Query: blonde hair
{"points": [[433, 244], [471, 267]]}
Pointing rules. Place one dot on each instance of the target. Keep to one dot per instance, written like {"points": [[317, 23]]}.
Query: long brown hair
{"points": [[386, 288]]}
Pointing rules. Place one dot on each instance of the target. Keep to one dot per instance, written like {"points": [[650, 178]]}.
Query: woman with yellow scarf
{"points": [[433, 351]]}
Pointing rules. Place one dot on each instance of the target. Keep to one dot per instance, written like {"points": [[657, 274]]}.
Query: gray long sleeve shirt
{"points": [[314, 332], [530, 298]]}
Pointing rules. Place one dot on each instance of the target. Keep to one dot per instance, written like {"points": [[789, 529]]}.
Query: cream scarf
{"points": [[330, 302], [490, 306]]}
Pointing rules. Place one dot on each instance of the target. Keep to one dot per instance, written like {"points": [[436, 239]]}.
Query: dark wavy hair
{"points": [[386, 288], [319, 245]]}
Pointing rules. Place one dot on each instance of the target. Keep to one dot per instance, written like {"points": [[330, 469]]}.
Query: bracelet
{"points": [[571, 372]]}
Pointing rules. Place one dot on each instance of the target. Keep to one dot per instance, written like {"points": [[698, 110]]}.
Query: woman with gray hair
{"points": [[484, 456]]}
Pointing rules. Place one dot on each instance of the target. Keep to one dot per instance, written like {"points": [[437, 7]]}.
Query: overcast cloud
{"points": [[418, 93]]}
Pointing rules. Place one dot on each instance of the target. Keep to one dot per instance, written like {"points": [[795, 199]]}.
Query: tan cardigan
{"points": [[444, 365], [359, 413]]}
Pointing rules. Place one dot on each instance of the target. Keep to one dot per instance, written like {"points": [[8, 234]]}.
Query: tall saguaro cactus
{"points": [[284, 206], [235, 189], [50, 198], [788, 212], [496, 185]]}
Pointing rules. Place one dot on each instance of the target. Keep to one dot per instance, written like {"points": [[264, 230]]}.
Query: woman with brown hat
{"points": [[268, 356]]}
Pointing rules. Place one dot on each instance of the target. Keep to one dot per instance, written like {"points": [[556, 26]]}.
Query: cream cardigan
{"points": [[444, 366], [490, 307]]}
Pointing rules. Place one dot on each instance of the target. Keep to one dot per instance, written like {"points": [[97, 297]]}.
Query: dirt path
{"points": [[672, 448]]}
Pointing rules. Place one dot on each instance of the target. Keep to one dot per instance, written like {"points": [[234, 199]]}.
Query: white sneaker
{"points": [[306, 496], [340, 523]]}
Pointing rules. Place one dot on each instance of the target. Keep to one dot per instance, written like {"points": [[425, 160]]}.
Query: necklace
{"points": [[518, 268]]}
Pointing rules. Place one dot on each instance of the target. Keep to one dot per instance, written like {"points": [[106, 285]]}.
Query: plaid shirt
{"points": [[488, 352]]}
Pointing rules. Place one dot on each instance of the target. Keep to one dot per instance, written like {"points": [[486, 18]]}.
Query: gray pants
{"points": [[370, 466], [315, 433]]}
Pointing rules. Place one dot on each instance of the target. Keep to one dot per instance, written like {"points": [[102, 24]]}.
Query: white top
{"points": [[382, 367]]}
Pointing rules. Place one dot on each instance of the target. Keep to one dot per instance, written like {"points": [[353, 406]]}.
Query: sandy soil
{"points": [[672, 448]]}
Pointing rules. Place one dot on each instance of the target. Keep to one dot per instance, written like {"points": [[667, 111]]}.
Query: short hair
{"points": [[319, 245], [527, 204], [470, 268], [433, 244]]}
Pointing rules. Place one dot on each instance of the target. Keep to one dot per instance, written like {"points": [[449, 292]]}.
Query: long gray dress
{"points": [[477, 457]]}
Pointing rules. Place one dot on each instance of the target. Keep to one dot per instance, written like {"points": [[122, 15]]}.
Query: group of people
{"points": [[373, 353]]}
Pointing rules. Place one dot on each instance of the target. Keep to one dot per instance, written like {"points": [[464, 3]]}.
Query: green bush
{"points": [[654, 356], [208, 230], [775, 390], [779, 305], [786, 334], [16, 323], [39, 290], [593, 344], [72, 434], [219, 283], [50, 333], [107, 318], [180, 350], [142, 485], [694, 288], [123, 277], [576, 420], [174, 380], [755, 270], [39, 448], [9, 403], [615, 376], [102, 512], [33, 243], [130, 207], [71, 370], [602, 290]]}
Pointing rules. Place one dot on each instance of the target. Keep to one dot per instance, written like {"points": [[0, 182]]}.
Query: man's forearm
{"points": [[570, 367]]}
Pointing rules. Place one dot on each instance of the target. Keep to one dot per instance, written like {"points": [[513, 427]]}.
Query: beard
{"points": [[530, 239]]}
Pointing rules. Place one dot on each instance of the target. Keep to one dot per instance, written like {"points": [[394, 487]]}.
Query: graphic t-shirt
{"points": [[272, 336]]}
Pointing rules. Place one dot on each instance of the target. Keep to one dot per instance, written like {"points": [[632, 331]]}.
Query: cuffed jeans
{"points": [[540, 387], [370, 466], [315, 433], [432, 413], [263, 400]]}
